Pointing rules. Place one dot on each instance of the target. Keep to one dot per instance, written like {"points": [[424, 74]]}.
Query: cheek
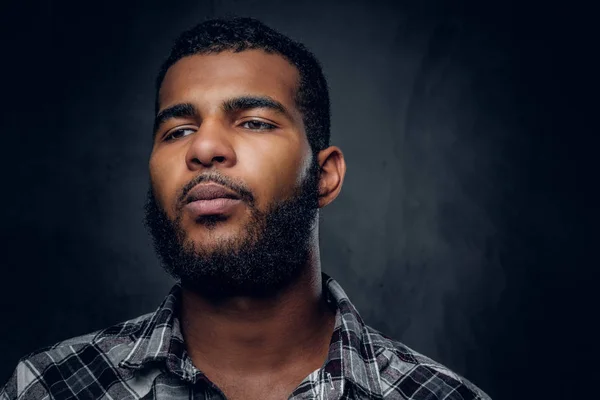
{"points": [[162, 179], [275, 172]]}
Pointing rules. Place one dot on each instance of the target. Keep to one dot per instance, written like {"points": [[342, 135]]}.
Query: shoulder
{"points": [[101, 350], [409, 374], [106, 342]]}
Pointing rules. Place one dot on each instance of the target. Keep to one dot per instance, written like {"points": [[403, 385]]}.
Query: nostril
{"points": [[219, 159]]}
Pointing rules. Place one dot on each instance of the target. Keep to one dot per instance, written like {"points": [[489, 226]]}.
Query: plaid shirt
{"points": [[145, 358]]}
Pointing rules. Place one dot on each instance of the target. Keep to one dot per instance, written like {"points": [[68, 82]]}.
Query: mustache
{"points": [[215, 177]]}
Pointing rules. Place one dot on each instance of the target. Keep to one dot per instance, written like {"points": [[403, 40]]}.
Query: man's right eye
{"points": [[178, 133]]}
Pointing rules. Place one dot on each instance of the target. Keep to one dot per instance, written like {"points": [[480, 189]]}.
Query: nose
{"points": [[210, 146]]}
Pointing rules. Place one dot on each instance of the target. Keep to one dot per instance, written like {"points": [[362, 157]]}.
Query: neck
{"points": [[243, 335]]}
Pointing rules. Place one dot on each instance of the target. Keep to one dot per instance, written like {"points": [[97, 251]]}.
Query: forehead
{"points": [[206, 79]]}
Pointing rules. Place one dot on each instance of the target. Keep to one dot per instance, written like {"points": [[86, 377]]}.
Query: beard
{"points": [[270, 253]]}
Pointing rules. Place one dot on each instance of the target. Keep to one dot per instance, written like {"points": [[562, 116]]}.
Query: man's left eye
{"points": [[257, 125]]}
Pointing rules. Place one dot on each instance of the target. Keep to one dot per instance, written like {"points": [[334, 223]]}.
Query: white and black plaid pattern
{"points": [[145, 358]]}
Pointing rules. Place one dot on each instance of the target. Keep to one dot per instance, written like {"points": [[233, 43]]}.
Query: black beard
{"points": [[272, 253]]}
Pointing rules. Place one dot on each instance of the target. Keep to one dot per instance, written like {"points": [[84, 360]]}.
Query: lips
{"points": [[210, 192], [211, 199]]}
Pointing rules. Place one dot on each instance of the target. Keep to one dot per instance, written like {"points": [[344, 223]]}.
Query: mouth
{"points": [[210, 191], [211, 199]]}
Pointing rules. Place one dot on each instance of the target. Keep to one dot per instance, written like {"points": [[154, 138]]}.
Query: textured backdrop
{"points": [[463, 228]]}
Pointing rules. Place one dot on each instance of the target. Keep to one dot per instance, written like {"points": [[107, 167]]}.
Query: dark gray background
{"points": [[464, 228]]}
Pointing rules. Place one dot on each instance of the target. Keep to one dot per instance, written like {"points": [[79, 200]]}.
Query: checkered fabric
{"points": [[145, 358]]}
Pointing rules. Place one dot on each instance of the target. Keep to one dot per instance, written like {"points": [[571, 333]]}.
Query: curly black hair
{"points": [[238, 34]]}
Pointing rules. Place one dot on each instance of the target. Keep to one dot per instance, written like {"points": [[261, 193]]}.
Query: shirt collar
{"points": [[351, 355], [159, 340]]}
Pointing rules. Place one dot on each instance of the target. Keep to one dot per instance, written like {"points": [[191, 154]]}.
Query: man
{"points": [[240, 165]]}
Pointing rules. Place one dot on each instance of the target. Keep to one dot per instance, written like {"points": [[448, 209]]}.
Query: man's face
{"points": [[231, 119]]}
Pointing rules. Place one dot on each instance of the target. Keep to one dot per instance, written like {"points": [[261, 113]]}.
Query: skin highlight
{"points": [[235, 114]]}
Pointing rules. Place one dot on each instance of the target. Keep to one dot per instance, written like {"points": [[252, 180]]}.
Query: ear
{"points": [[332, 172]]}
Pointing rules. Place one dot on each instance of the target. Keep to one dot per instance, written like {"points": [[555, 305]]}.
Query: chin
{"points": [[213, 231]]}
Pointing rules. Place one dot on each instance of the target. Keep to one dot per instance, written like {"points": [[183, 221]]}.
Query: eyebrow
{"points": [[236, 104], [184, 110], [250, 102]]}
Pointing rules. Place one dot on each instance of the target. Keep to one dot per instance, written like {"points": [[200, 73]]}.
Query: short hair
{"points": [[238, 34]]}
